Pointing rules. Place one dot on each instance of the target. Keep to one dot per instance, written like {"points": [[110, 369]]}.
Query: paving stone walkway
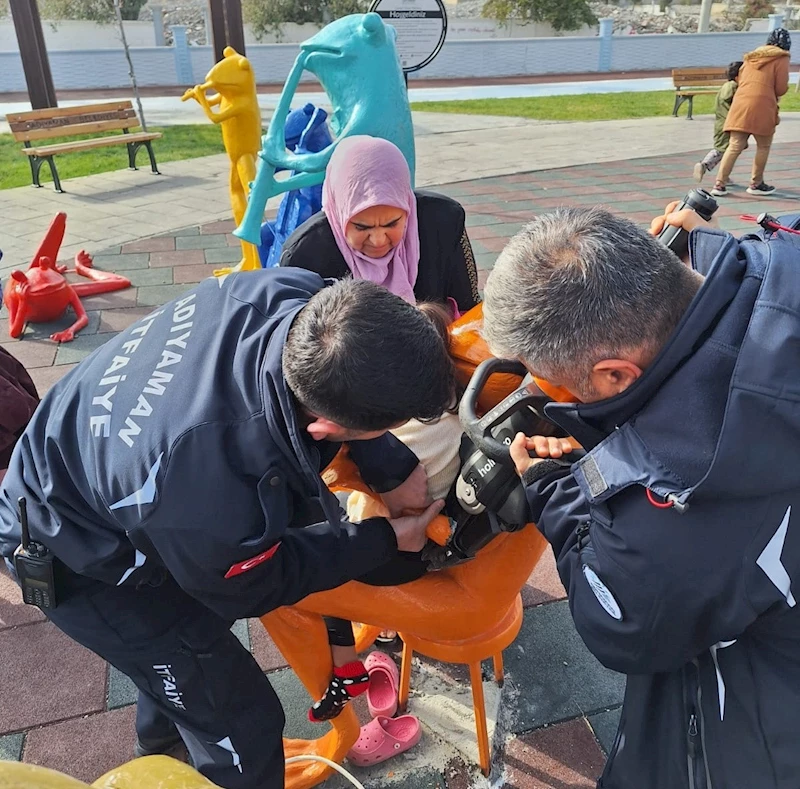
{"points": [[560, 707], [119, 207]]}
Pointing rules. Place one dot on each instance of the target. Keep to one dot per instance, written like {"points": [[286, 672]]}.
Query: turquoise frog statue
{"points": [[355, 60]]}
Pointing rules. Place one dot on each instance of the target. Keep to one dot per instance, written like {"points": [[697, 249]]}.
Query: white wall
{"points": [[99, 68], [682, 50], [82, 35]]}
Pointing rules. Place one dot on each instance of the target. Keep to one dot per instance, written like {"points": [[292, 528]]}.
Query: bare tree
{"points": [[131, 72]]}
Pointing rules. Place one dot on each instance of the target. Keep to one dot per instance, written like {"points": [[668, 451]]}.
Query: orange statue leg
{"points": [[450, 605], [303, 639]]}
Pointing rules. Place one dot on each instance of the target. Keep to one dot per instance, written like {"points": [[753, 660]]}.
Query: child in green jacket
{"points": [[721, 137]]}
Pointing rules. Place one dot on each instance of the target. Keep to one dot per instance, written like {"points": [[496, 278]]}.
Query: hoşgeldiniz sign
{"points": [[421, 29]]}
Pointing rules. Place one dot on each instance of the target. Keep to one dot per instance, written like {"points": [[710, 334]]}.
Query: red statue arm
{"points": [[83, 319], [102, 281], [17, 304]]}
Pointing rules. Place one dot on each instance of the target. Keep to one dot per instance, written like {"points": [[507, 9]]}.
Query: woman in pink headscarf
{"points": [[374, 226]]}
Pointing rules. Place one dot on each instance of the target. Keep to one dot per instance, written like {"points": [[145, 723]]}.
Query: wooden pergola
{"points": [[227, 29]]}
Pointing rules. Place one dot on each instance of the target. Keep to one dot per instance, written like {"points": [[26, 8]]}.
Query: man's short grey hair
{"points": [[580, 285]]}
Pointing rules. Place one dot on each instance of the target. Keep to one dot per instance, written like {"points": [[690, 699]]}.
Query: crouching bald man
{"points": [[166, 471], [676, 536]]}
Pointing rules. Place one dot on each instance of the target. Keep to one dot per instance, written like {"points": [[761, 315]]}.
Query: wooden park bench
{"points": [[691, 82], [31, 127]]}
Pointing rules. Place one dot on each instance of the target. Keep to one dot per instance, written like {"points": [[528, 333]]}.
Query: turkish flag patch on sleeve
{"points": [[249, 564]]}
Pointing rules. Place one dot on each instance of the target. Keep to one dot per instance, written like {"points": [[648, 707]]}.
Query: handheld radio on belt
{"points": [[33, 563]]}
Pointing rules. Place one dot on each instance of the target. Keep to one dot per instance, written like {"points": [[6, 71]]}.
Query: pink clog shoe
{"points": [[384, 684], [383, 738]]}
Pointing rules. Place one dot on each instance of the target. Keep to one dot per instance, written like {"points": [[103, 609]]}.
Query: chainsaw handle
{"points": [[479, 429]]}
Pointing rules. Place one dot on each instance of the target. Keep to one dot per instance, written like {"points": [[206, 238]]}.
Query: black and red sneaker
{"points": [[760, 189]]}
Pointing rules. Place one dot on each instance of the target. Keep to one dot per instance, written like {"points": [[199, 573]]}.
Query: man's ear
{"points": [[322, 428], [611, 377]]}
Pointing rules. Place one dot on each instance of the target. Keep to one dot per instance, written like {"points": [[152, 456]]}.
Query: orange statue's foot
{"points": [[334, 746]]}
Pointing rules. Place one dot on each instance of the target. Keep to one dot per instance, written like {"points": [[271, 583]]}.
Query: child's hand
{"points": [[543, 446], [411, 496]]}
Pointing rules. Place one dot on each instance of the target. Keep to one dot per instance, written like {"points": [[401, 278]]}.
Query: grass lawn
{"points": [[178, 142], [587, 107]]}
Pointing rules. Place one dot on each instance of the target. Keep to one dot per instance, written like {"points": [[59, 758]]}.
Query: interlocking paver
{"points": [[226, 254], [84, 748], [79, 348], [117, 298], [183, 257], [150, 276], [121, 690], [11, 747], [45, 377], [13, 611], [46, 676], [150, 245], [155, 295], [241, 632], [196, 273], [201, 242], [264, 650], [119, 319], [186, 231], [224, 226], [544, 585], [565, 756], [604, 725], [556, 676], [295, 701], [32, 353]]}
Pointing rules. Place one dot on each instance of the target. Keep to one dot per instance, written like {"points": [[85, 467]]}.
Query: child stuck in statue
{"points": [[436, 444]]}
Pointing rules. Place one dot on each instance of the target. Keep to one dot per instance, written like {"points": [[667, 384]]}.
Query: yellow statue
{"points": [[240, 118], [149, 772]]}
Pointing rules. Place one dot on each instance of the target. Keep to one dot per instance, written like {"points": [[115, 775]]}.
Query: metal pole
{"points": [[234, 26], [218, 35], [33, 53], [705, 16]]}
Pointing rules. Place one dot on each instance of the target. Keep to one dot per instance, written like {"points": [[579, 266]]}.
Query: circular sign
{"points": [[421, 27]]}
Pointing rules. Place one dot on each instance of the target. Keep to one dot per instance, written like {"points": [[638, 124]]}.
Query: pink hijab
{"points": [[364, 172]]}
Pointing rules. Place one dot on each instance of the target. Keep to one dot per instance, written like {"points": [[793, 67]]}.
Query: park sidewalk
{"points": [[119, 207]]}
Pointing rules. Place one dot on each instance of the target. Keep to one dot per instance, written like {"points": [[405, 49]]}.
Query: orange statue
{"points": [[42, 293], [454, 604], [240, 119]]}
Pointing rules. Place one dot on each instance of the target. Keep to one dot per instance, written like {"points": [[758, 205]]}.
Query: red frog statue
{"points": [[42, 293]]}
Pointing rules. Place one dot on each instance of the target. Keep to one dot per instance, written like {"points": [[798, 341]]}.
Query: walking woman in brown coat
{"points": [[764, 78]]}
